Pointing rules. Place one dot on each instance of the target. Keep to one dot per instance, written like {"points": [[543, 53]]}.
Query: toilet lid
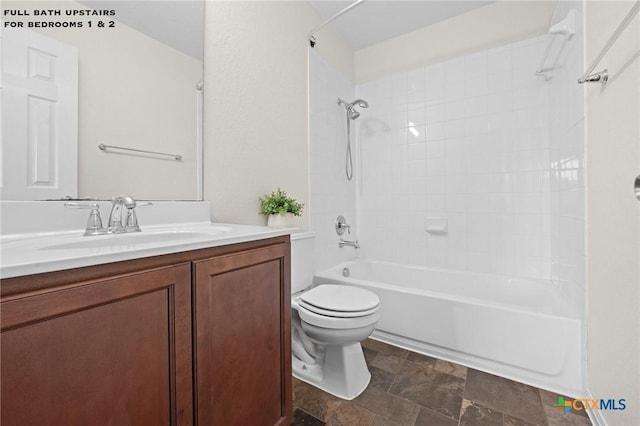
{"points": [[332, 299]]}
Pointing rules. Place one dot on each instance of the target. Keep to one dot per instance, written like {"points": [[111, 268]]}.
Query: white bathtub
{"points": [[516, 328]]}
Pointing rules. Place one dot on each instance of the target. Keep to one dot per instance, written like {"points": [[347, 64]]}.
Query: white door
{"points": [[39, 149]]}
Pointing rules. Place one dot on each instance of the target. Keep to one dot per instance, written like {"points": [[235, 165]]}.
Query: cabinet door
{"points": [[243, 348], [115, 351]]}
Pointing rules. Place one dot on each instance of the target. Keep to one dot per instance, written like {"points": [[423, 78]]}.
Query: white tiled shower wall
{"points": [[331, 194], [567, 159], [477, 141]]}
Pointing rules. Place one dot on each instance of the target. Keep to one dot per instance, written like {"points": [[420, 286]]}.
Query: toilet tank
{"points": [[302, 264]]}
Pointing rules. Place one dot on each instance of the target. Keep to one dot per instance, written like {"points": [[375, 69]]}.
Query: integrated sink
{"points": [[32, 245], [157, 237]]}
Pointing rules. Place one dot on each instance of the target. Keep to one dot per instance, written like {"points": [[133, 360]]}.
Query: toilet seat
{"points": [[338, 306], [337, 323], [335, 314], [340, 300]]}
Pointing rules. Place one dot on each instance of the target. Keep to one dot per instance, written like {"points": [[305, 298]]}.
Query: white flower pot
{"points": [[286, 220]]}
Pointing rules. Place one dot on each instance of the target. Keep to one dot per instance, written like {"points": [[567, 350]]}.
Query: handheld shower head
{"points": [[359, 102], [350, 107], [352, 114]]}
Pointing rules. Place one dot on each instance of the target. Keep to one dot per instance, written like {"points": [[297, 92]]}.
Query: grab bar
{"points": [[104, 147], [603, 76]]}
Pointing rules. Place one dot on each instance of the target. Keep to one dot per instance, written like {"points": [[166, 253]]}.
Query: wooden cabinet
{"points": [[116, 349], [200, 337], [242, 333]]}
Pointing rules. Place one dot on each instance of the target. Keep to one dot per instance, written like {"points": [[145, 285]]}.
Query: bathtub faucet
{"points": [[353, 244]]}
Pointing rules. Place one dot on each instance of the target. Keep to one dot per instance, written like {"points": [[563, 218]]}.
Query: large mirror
{"points": [[139, 87]]}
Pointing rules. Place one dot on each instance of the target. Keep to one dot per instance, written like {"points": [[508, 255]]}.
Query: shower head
{"points": [[359, 102], [351, 111]]}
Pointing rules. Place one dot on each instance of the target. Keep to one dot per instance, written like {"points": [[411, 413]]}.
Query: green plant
{"points": [[278, 202]]}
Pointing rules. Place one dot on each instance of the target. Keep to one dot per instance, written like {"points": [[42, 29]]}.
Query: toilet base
{"points": [[342, 372]]}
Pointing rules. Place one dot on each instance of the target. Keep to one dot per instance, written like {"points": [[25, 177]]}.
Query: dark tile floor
{"points": [[407, 388]]}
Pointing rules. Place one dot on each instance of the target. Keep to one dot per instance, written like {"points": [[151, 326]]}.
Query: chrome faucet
{"points": [[121, 221], [341, 228], [354, 244]]}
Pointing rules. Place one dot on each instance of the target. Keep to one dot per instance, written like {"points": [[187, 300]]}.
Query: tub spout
{"points": [[353, 244]]}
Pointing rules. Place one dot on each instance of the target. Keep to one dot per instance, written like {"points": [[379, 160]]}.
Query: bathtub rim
{"points": [[565, 311]]}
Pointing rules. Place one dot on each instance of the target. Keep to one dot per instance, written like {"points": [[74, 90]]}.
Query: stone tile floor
{"points": [[410, 389]]}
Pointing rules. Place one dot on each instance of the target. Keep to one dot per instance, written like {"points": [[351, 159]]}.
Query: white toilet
{"points": [[328, 323]]}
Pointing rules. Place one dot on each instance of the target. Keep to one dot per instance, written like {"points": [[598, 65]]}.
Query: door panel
{"points": [[40, 117]]}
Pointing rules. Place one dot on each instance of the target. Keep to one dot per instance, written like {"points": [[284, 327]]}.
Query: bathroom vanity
{"points": [[193, 336]]}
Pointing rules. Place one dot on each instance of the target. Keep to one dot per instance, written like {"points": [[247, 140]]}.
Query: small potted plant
{"points": [[280, 208]]}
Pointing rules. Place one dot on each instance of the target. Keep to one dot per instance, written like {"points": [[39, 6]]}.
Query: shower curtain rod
{"points": [[312, 40], [603, 76]]}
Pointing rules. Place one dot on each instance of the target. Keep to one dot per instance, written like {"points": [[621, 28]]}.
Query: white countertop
{"points": [[45, 236], [27, 254]]}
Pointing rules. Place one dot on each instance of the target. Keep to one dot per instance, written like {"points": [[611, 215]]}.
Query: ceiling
{"points": [[368, 23], [179, 24], [374, 21]]}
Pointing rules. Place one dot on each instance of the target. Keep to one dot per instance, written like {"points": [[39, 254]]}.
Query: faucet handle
{"points": [[341, 226], [94, 224], [77, 205], [131, 220]]}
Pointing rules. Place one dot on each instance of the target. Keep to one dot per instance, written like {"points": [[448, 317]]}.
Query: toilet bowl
{"points": [[328, 323]]}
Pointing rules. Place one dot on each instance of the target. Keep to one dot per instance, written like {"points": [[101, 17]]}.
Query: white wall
{"points": [[133, 92], [256, 103], [492, 25], [331, 194], [613, 213]]}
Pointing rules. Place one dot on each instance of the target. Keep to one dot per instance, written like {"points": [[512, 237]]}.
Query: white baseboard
{"points": [[596, 417]]}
